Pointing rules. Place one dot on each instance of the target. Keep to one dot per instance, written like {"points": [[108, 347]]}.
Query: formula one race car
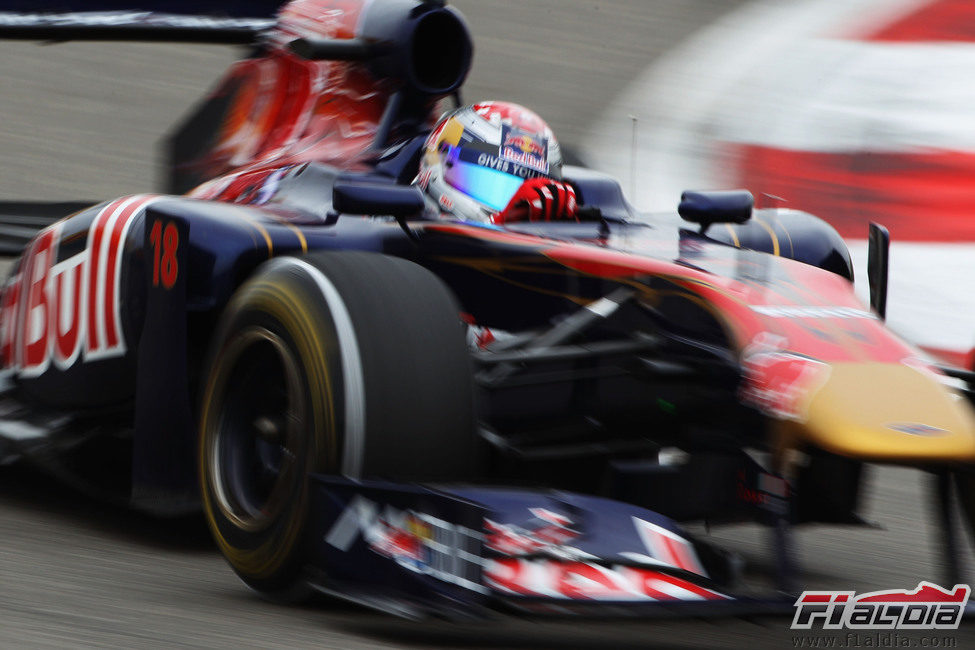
{"points": [[286, 345]]}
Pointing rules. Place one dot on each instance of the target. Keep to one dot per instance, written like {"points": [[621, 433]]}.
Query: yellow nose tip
{"points": [[888, 413]]}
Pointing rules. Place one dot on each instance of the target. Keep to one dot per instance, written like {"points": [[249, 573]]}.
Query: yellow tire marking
{"points": [[282, 303]]}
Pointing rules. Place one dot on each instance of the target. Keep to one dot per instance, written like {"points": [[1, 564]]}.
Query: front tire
{"points": [[351, 363]]}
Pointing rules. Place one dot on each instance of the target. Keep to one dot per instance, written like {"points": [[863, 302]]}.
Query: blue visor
{"points": [[485, 185]]}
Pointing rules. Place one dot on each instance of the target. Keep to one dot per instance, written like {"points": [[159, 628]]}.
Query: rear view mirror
{"points": [[377, 198], [705, 208]]}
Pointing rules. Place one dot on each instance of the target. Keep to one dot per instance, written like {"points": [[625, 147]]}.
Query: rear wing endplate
{"points": [[179, 21]]}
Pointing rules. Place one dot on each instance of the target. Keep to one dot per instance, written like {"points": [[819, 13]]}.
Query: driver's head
{"points": [[478, 156]]}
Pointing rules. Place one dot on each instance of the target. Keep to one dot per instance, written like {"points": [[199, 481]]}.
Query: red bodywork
{"points": [[287, 110]]}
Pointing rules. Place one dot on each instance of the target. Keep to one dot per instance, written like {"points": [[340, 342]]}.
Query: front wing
{"points": [[464, 551]]}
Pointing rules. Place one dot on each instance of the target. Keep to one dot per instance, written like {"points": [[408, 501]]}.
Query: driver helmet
{"points": [[478, 156]]}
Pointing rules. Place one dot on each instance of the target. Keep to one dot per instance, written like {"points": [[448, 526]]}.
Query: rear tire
{"points": [[339, 362]]}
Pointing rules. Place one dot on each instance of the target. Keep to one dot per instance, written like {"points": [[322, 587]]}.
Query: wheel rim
{"points": [[255, 453]]}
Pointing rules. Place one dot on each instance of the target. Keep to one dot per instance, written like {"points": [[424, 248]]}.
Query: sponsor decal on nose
{"points": [[917, 429]]}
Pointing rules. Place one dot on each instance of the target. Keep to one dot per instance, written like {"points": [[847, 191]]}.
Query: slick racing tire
{"points": [[341, 363]]}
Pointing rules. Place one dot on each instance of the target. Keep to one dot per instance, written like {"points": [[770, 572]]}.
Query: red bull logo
{"points": [[547, 532], [524, 148], [404, 540], [60, 311], [525, 144]]}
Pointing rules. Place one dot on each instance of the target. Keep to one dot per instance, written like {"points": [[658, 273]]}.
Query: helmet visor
{"points": [[488, 186]]}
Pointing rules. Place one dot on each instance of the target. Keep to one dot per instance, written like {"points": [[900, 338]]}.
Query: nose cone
{"points": [[889, 413]]}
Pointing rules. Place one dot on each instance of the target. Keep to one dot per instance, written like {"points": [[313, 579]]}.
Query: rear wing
{"points": [[206, 21]]}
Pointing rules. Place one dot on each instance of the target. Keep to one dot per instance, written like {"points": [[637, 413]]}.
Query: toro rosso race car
{"points": [[282, 340]]}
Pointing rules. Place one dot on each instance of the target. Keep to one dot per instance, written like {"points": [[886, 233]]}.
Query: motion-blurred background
{"points": [[856, 110]]}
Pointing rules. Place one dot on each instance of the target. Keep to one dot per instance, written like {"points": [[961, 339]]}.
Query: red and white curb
{"points": [[855, 110]]}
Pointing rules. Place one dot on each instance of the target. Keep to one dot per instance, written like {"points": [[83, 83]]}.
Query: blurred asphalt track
{"points": [[82, 121]]}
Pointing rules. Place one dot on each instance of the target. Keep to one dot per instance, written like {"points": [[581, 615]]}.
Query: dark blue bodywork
{"points": [[169, 330]]}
